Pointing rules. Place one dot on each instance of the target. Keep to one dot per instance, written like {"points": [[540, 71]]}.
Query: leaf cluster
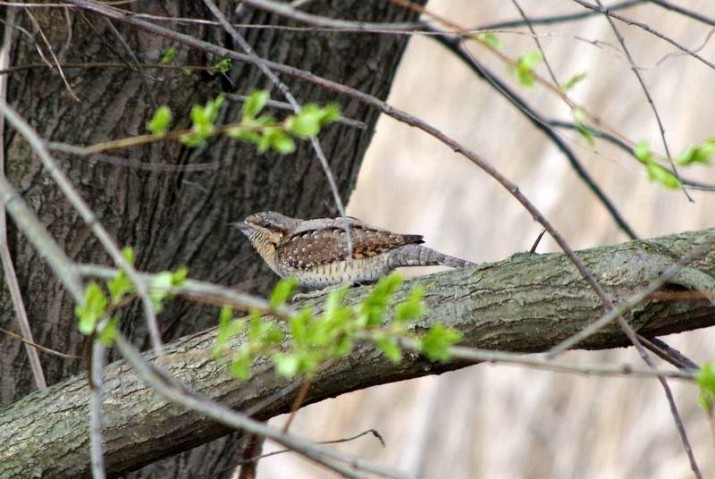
{"points": [[307, 340], [96, 313], [256, 128], [525, 66], [700, 153]]}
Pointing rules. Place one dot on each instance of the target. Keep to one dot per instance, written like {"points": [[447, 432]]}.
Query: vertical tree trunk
{"points": [[171, 218]]}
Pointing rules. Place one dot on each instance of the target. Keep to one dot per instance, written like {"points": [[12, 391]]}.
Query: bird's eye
{"points": [[271, 225]]}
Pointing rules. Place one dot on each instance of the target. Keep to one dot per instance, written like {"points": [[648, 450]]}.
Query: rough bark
{"points": [[526, 303], [171, 218]]}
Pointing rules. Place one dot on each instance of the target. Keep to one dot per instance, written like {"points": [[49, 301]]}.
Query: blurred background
{"points": [[497, 421]]}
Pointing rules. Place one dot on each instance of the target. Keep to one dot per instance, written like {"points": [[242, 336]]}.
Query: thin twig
{"points": [[374, 432], [668, 353], [96, 382], [297, 403], [645, 89], [543, 361], [290, 12], [555, 19], [683, 11], [39, 347], [135, 62], [538, 43], [52, 53], [8, 266], [537, 241]]}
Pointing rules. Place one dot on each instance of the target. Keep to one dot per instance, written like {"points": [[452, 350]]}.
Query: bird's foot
{"points": [[315, 293]]}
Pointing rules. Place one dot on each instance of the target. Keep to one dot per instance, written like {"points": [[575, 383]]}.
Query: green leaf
{"points": [[192, 139], [228, 328], [128, 254], [662, 175], [642, 152], [255, 102], [213, 107], [119, 286], [308, 363], [179, 276], [389, 348], [343, 346], [701, 153], [335, 300], [264, 142], [161, 284], [303, 125], [92, 309], [241, 366], [372, 309], [310, 119], [412, 308], [706, 382], [525, 67], [255, 327], [244, 134], [108, 334], [159, 123], [273, 335], [276, 139], [222, 66], [573, 81], [168, 56], [225, 315], [336, 316], [330, 113], [159, 287], [282, 292], [286, 364], [388, 285], [489, 38], [299, 327], [579, 118], [282, 143], [202, 119], [436, 343]]}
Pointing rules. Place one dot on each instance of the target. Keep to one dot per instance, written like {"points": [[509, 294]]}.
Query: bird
{"points": [[329, 252]]}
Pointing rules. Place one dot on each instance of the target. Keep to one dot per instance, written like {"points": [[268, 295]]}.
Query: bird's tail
{"points": [[418, 255]]}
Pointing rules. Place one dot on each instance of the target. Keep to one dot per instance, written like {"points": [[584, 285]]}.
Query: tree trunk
{"points": [[171, 218], [525, 303]]}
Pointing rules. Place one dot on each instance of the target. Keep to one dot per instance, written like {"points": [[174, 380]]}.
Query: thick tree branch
{"points": [[527, 303]]}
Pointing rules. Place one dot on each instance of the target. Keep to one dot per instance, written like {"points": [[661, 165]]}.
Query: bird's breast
{"points": [[321, 275]]}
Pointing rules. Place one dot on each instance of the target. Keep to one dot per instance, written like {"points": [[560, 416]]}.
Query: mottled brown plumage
{"points": [[316, 251]]}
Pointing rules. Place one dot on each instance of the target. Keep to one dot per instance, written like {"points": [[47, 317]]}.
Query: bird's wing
{"points": [[324, 240], [322, 223]]}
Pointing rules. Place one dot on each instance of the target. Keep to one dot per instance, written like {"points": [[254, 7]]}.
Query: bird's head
{"points": [[266, 230]]}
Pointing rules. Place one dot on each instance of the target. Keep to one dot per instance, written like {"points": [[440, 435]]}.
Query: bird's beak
{"points": [[243, 227]]}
